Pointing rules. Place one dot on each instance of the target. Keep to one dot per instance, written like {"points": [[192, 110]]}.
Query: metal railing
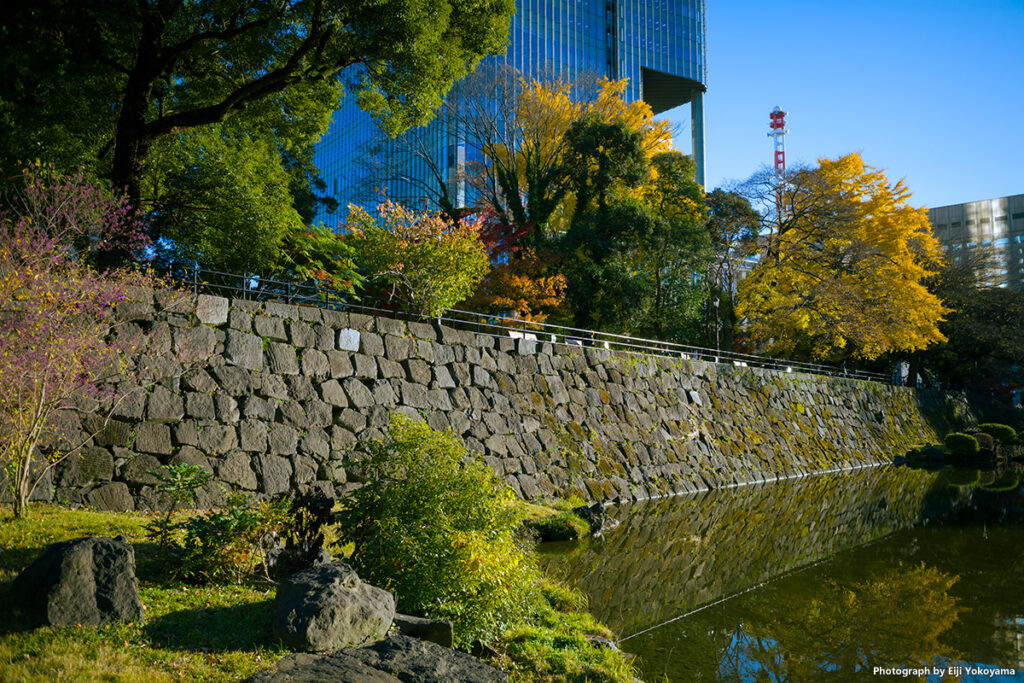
{"points": [[252, 287]]}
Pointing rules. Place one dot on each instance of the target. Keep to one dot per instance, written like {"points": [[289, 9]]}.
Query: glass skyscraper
{"points": [[659, 45]]}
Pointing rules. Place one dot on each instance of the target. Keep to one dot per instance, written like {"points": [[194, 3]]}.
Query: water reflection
{"points": [[821, 577], [896, 617]]}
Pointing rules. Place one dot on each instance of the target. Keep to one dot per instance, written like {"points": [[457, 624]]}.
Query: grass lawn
{"points": [[223, 632], [207, 633]]}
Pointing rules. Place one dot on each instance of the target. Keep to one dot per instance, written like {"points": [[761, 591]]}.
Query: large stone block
{"points": [[340, 364], [301, 335], [244, 350], [358, 394], [398, 348], [371, 344], [273, 473], [113, 497], [193, 344], [253, 436], [332, 393], [88, 467], [319, 413], [281, 359], [211, 310], [188, 455], [199, 406], [270, 328], [234, 469], [215, 439], [315, 364], [283, 440], [152, 437], [139, 470], [234, 380], [164, 406]]}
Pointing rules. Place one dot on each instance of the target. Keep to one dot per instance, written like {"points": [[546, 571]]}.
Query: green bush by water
{"points": [[985, 441], [435, 526], [561, 526], [1004, 434], [961, 445]]}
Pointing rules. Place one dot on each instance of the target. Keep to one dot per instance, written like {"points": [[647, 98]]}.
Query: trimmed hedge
{"points": [[960, 444], [985, 441], [1003, 434]]}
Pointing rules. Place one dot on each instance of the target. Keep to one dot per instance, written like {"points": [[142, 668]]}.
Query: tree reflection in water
{"points": [[895, 618]]}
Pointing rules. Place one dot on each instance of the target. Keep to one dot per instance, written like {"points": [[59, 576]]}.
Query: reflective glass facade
{"points": [[992, 226], [658, 45]]}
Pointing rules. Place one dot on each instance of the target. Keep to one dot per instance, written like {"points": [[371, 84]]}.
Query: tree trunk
{"points": [[22, 474], [131, 140]]}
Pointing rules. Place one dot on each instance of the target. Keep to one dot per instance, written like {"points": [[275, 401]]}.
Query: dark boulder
{"points": [[307, 668], [597, 518], [419, 661], [86, 581], [327, 607]]}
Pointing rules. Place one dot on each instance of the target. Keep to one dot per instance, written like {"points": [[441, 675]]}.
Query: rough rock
{"points": [[327, 607], [87, 581], [597, 517], [438, 631], [420, 661], [306, 668]]}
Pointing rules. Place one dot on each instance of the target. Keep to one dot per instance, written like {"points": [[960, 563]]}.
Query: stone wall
{"points": [[284, 394]]}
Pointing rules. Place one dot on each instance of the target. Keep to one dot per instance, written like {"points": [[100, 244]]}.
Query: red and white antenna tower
{"points": [[777, 130]]}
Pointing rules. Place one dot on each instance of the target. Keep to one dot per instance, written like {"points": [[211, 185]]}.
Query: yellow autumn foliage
{"points": [[844, 271]]}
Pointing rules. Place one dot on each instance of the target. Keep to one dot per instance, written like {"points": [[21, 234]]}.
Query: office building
{"points": [[990, 227], [659, 45]]}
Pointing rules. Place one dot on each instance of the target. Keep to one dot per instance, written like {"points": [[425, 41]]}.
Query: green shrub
{"points": [[229, 543], [963, 445], [561, 526], [1004, 434], [435, 526], [984, 440], [176, 484]]}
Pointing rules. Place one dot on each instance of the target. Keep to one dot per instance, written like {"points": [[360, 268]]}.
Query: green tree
{"points": [[733, 226], [634, 250], [223, 201], [430, 262], [900, 616], [141, 71], [984, 331], [674, 258]]}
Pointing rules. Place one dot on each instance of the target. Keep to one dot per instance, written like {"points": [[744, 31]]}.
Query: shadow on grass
{"points": [[215, 629], [151, 561], [13, 560], [9, 621]]}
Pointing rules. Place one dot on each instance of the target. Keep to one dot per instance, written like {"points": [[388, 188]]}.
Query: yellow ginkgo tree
{"points": [[843, 268]]}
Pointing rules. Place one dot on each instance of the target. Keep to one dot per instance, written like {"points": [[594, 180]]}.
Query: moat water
{"points": [[885, 573]]}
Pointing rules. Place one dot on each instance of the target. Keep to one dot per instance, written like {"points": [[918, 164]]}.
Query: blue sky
{"points": [[933, 92]]}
